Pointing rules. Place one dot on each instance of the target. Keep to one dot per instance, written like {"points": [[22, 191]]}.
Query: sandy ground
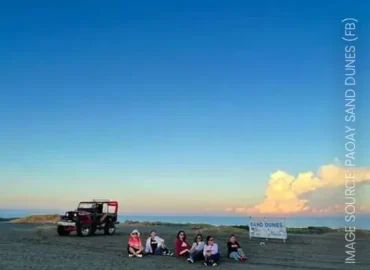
{"points": [[35, 247]]}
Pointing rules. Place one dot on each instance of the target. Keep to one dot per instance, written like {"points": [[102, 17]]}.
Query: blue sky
{"points": [[172, 96]]}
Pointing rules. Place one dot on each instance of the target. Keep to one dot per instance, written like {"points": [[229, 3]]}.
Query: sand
{"points": [[24, 246]]}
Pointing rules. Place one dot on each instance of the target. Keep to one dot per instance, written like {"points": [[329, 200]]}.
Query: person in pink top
{"points": [[134, 246]]}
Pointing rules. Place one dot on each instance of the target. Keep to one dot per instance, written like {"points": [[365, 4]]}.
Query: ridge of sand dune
{"points": [[36, 247], [38, 219]]}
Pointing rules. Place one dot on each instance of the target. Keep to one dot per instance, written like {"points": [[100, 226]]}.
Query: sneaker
{"points": [[214, 264], [139, 255], [170, 253], [205, 264], [130, 255], [190, 260]]}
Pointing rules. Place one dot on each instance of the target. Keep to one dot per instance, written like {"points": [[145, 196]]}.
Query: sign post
{"points": [[268, 228]]}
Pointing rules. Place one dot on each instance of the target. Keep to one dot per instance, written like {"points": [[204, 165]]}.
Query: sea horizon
{"points": [[362, 221]]}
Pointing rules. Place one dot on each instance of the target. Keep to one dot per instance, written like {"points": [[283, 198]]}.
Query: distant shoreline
{"points": [[52, 219], [7, 219], [334, 222]]}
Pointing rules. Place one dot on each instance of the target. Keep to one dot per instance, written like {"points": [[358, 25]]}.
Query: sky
{"points": [[179, 106]]}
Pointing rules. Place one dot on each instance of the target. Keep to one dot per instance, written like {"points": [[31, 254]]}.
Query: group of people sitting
{"points": [[200, 250]]}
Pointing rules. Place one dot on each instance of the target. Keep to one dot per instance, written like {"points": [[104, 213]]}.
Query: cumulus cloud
{"points": [[286, 194]]}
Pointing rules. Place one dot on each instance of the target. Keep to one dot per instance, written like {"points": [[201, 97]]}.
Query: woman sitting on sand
{"points": [[196, 250], [155, 245], [182, 245], [234, 249], [134, 247], [210, 252]]}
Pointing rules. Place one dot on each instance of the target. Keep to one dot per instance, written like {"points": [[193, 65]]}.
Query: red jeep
{"points": [[89, 217]]}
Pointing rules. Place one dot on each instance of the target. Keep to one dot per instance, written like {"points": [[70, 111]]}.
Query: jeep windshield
{"points": [[86, 206]]}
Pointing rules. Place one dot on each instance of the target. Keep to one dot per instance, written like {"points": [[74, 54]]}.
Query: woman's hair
{"points": [[231, 235], [178, 234], [196, 237], [208, 237], [151, 232]]}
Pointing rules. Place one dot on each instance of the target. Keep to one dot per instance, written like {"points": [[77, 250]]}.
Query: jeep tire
{"points": [[84, 229], [62, 231], [109, 228]]}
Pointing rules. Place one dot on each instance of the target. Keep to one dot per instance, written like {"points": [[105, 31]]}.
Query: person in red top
{"points": [[182, 245], [134, 246]]}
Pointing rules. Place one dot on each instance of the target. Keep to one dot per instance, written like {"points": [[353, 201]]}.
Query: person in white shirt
{"points": [[196, 250], [155, 245], [210, 252]]}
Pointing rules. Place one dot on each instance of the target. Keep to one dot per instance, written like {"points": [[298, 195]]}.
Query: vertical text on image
{"points": [[350, 137]]}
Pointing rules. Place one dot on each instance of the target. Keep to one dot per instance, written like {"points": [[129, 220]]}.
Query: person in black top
{"points": [[153, 244], [235, 250]]}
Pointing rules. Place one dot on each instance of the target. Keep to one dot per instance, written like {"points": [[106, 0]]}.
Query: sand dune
{"points": [[28, 246], [37, 219]]}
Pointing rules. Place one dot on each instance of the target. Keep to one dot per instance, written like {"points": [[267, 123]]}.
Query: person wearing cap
{"points": [[134, 247]]}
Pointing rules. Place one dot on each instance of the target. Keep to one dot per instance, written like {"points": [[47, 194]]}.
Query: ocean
{"points": [[362, 222]]}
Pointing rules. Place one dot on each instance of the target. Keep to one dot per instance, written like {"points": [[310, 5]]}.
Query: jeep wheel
{"points": [[84, 229], [62, 231], [109, 228]]}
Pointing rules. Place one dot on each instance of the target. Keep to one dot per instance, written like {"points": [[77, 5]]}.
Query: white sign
{"points": [[267, 228]]}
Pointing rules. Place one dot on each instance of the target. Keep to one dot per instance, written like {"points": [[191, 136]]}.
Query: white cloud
{"points": [[287, 194]]}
